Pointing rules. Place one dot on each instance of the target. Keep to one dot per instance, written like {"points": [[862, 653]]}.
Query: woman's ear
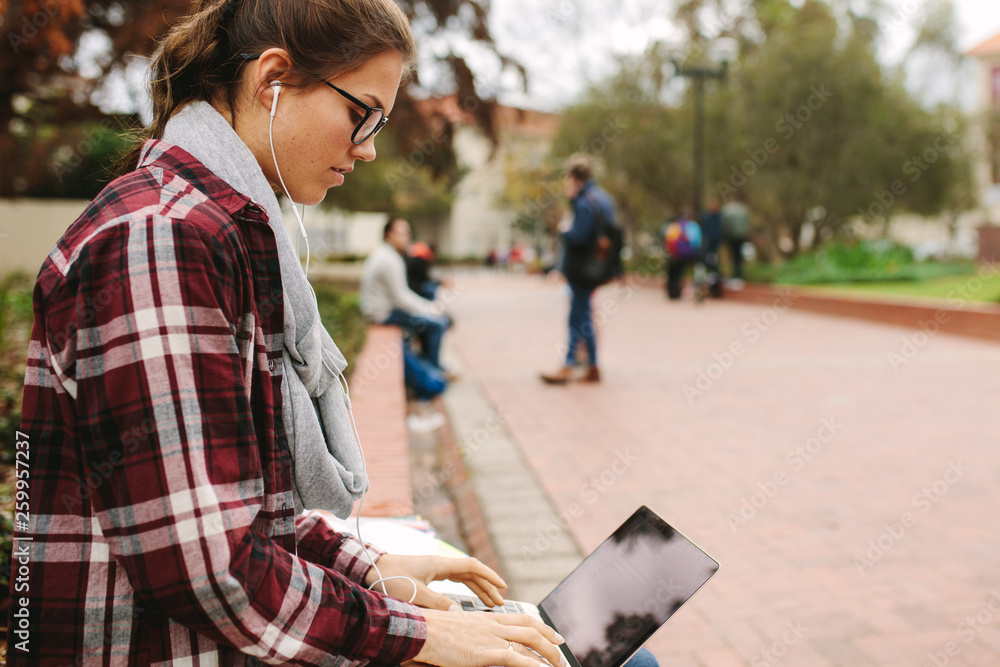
{"points": [[272, 65]]}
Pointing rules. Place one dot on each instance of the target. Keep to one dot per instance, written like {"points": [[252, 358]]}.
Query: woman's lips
{"points": [[342, 173]]}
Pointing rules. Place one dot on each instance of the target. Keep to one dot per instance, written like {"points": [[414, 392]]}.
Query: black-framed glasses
{"points": [[373, 121], [369, 125]]}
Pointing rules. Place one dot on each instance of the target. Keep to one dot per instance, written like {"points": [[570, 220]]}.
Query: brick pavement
{"points": [[864, 459]]}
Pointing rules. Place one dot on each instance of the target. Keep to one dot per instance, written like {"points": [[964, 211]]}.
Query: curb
{"points": [[468, 512], [949, 316], [956, 315], [498, 497]]}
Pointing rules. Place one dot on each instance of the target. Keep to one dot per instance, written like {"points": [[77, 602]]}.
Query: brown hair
{"points": [[579, 167], [390, 224], [200, 57]]}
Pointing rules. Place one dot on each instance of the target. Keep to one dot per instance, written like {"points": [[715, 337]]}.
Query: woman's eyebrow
{"points": [[378, 103]]}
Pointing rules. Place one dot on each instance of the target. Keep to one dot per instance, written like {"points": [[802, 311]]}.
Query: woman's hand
{"points": [[478, 639], [422, 570]]}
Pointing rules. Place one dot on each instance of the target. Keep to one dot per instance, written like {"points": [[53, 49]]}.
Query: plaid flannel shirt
{"points": [[160, 506]]}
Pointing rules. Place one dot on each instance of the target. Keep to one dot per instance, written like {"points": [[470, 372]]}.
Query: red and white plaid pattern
{"points": [[161, 508]]}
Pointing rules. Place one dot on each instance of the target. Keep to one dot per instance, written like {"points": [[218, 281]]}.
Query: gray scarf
{"points": [[327, 465]]}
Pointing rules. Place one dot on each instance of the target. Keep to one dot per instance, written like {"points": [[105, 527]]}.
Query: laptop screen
{"points": [[625, 590]]}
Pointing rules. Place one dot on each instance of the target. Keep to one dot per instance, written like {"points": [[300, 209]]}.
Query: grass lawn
{"points": [[969, 287]]}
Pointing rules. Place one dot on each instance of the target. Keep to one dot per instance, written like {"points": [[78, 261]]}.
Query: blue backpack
{"points": [[419, 374]]}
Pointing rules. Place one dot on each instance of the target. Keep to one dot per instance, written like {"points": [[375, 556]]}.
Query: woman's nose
{"points": [[365, 151]]}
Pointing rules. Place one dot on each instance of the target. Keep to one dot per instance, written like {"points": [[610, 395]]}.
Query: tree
{"points": [[54, 135], [808, 127], [823, 128], [48, 85], [532, 189]]}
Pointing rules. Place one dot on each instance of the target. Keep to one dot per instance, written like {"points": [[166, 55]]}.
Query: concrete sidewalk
{"points": [[846, 475]]}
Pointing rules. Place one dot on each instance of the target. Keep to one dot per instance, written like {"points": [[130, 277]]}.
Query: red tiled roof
{"points": [[524, 121], [991, 47]]}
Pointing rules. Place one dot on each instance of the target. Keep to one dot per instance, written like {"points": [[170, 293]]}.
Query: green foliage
{"points": [[532, 187], [807, 126], [993, 139], [6, 550], [821, 125], [16, 316], [10, 416], [643, 144], [16, 309], [340, 311], [962, 287], [415, 186], [62, 158], [862, 262]]}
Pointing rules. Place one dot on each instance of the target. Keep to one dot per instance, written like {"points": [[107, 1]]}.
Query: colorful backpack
{"points": [[682, 239]]}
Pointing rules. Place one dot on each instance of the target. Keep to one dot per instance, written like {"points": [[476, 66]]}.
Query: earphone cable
{"points": [[270, 135], [343, 380]]}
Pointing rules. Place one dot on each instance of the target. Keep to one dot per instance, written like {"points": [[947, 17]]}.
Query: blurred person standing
{"points": [[711, 239], [682, 241], [590, 205], [736, 231]]}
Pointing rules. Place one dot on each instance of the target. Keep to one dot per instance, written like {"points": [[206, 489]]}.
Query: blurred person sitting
{"points": [[419, 262], [387, 299]]}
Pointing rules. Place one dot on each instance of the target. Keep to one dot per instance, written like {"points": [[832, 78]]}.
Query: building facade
{"points": [[988, 115]]}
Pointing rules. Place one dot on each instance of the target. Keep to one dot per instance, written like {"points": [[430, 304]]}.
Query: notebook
{"points": [[621, 594]]}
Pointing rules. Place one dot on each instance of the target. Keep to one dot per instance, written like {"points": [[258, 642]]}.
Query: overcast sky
{"points": [[567, 43]]}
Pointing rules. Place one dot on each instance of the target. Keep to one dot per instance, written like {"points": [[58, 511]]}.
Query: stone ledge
{"points": [[378, 398]]}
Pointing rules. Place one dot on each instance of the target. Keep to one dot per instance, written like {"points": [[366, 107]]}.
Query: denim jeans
{"points": [[643, 658], [580, 324], [428, 328]]}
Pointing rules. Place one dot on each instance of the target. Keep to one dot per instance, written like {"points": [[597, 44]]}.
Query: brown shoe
{"points": [[560, 376], [593, 375]]}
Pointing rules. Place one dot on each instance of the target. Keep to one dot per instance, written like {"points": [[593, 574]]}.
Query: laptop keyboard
{"points": [[473, 603]]}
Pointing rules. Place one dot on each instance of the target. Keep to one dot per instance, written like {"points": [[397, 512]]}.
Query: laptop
{"points": [[621, 594]]}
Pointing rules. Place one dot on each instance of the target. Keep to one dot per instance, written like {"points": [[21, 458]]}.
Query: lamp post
{"points": [[721, 52]]}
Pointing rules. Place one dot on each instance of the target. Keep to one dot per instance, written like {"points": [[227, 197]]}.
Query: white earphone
{"points": [[276, 86]]}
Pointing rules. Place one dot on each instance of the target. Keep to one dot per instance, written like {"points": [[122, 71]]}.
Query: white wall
{"points": [[477, 223], [336, 232], [990, 190], [29, 229]]}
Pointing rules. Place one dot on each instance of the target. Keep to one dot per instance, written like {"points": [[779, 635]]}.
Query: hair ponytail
{"points": [[200, 57]]}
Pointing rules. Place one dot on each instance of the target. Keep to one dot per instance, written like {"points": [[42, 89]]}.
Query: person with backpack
{"points": [[682, 244], [591, 257], [711, 236], [736, 230]]}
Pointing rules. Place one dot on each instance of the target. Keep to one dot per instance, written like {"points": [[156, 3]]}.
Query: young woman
{"points": [[178, 369]]}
